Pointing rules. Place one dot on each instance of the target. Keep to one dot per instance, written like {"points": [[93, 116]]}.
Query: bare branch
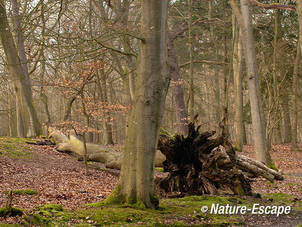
{"points": [[273, 5], [204, 62]]}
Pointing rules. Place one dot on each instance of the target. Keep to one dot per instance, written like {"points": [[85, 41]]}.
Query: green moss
{"points": [[168, 211], [272, 165], [98, 204], [36, 220], [23, 192], [165, 132], [115, 197], [171, 212], [237, 148], [9, 225], [14, 147], [51, 207], [117, 215], [279, 197], [159, 169], [49, 215], [4, 212]]}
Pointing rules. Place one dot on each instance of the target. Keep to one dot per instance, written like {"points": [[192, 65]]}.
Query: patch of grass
{"points": [[9, 225], [284, 199], [49, 215], [171, 212], [23, 192], [279, 198], [14, 147], [51, 207]]}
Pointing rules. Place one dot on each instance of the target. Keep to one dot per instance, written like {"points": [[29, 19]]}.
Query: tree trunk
{"points": [[102, 90], [34, 124], [237, 71], [217, 91], [43, 96], [294, 145], [286, 117], [191, 72], [67, 115], [299, 11], [19, 113], [136, 182], [177, 90], [276, 71], [258, 121]]}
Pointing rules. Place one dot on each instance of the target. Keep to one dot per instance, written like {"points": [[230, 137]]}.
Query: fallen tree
{"points": [[197, 164], [95, 152]]}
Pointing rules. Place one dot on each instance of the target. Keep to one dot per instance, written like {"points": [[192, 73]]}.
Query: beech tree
{"points": [[136, 181], [22, 83], [258, 121]]}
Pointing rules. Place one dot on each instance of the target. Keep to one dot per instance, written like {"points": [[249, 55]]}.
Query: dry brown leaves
{"points": [[287, 161], [57, 177], [61, 179]]}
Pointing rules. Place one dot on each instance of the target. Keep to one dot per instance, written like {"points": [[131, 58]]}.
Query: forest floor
{"points": [[51, 177]]}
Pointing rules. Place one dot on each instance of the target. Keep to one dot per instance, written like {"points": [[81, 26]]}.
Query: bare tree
{"points": [[258, 121], [16, 70], [136, 182]]}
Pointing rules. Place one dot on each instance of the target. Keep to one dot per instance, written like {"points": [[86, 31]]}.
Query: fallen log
{"points": [[95, 152], [261, 167], [42, 143], [200, 164]]}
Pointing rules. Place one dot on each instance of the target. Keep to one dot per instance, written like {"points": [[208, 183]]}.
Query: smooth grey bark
{"points": [[44, 97], [216, 69], [16, 70], [191, 69], [177, 90], [102, 91], [294, 145], [237, 73], [19, 113], [258, 121], [34, 124], [286, 117], [299, 11], [136, 181], [276, 74], [217, 91]]}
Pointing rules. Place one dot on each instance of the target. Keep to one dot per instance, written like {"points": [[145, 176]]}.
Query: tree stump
{"points": [[197, 164]]}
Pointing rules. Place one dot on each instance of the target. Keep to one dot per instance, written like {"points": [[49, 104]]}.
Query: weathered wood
{"points": [[199, 164], [42, 143], [260, 166], [95, 152]]}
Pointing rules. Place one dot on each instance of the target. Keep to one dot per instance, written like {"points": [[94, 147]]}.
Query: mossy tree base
{"points": [[116, 197]]}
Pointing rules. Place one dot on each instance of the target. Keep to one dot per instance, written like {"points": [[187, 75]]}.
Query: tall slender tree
{"points": [[16, 70], [237, 72], [258, 121]]}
